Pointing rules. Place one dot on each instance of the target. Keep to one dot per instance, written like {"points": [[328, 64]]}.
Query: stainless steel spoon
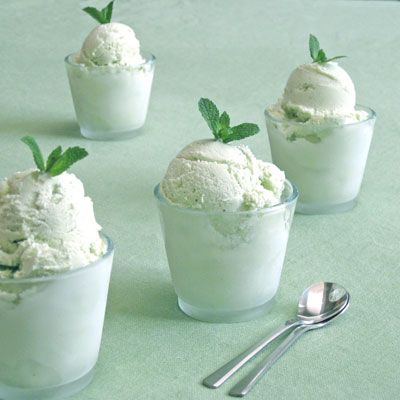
{"points": [[318, 303], [249, 381]]}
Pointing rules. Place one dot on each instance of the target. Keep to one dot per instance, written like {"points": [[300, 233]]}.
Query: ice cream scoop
{"points": [[46, 223], [110, 44], [211, 175], [319, 90], [318, 93]]}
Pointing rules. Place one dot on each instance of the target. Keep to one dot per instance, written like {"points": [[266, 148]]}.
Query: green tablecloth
{"points": [[239, 53]]}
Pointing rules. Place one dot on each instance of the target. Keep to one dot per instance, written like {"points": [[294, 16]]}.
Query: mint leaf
{"points": [[108, 11], [102, 16], [321, 56], [224, 120], [242, 131], [53, 157], [210, 113], [313, 45], [95, 13], [37, 154], [65, 160], [317, 54]]}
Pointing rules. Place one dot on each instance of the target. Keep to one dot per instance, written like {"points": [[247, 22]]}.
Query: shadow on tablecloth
{"points": [[39, 124]]}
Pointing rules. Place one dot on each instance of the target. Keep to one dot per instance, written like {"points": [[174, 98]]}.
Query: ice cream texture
{"points": [[47, 224], [316, 93], [213, 176], [112, 44]]}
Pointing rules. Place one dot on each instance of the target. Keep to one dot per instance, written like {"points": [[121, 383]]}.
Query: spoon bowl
{"points": [[308, 327], [321, 301]]}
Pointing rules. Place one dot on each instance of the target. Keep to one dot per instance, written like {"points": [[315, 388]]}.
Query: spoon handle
{"points": [[249, 381], [217, 378]]}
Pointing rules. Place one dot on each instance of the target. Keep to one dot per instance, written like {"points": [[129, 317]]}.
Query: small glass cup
{"points": [[110, 103], [226, 266], [50, 330], [325, 161]]}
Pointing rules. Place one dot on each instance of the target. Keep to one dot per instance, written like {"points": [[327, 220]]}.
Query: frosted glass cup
{"points": [[226, 266], [326, 162], [50, 331], [110, 103]]}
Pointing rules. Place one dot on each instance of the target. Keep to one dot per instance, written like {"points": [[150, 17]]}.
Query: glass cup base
{"points": [[108, 136], [49, 393], [225, 316], [306, 208]]}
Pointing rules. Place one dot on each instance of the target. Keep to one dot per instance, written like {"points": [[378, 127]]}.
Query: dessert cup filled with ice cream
{"points": [[319, 136], [55, 268], [226, 218], [110, 80]]}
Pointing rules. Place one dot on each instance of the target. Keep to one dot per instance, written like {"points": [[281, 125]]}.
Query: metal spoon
{"points": [[249, 381], [318, 303]]}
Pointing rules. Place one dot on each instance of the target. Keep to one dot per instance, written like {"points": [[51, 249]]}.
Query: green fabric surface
{"points": [[240, 54]]}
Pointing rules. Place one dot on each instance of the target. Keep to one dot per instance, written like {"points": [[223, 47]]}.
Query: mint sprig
{"points": [[317, 54], [220, 123], [103, 16], [57, 162]]}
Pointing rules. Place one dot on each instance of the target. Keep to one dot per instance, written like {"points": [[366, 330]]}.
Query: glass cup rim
{"points": [[359, 107], [149, 59], [66, 273], [292, 198]]}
